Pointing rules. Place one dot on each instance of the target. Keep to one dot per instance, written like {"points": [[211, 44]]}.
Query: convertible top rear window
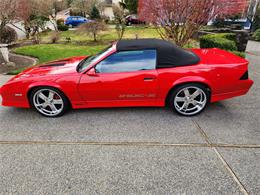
{"points": [[168, 54]]}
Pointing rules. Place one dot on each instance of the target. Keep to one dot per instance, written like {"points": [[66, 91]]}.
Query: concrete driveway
{"points": [[134, 150]]}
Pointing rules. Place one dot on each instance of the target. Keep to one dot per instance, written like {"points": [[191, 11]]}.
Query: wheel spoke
{"points": [[195, 94], [53, 108], [42, 96], [185, 106], [180, 99], [58, 101], [51, 95], [40, 105], [186, 92]]}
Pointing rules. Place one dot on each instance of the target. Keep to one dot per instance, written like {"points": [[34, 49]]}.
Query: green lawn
{"points": [[105, 36], [50, 52]]}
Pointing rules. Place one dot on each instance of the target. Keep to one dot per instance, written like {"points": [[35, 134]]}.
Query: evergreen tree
{"points": [[95, 14], [131, 5]]}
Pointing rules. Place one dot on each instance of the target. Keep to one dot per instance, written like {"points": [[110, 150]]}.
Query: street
{"points": [[134, 150]]}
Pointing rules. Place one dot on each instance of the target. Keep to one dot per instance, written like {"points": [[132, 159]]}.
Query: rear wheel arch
{"points": [[167, 99]]}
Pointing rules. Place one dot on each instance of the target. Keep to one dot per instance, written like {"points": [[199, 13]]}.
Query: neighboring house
{"points": [[63, 14], [108, 11], [20, 31]]}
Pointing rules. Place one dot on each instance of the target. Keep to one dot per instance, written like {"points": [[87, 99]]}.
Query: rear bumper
{"points": [[244, 87]]}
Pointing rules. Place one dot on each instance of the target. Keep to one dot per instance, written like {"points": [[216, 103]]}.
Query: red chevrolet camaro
{"points": [[147, 72]]}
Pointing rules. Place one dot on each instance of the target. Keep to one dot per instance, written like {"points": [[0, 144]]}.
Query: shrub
{"points": [[256, 35], [93, 28], [238, 53], [62, 27], [224, 41], [219, 23], [8, 35], [60, 21], [55, 36]]}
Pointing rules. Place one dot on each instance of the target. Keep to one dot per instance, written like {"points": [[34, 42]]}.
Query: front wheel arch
{"points": [[167, 99], [41, 86]]}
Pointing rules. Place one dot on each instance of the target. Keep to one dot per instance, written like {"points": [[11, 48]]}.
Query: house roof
{"points": [[168, 54]]}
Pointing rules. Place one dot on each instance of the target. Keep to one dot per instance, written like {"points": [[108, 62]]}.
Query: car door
{"points": [[123, 76]]}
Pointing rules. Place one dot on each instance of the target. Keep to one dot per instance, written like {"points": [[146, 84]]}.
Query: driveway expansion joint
{"points": [[213, 145], [221, 158]]}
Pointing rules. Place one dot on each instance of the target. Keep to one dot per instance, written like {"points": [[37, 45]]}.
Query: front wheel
{"points": [[189, 99], [49, 102]]}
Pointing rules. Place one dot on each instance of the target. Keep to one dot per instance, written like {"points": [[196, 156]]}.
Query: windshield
{"points": [[84, 64]]}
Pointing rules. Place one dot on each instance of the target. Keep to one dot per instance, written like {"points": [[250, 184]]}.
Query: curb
{"points": [[35, 60]]}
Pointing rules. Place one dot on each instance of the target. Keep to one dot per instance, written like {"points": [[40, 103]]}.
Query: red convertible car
{"points": [[146, 72]]}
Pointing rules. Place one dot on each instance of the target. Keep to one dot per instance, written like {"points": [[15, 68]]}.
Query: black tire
{"points": [[178, 90], [65, 101]]}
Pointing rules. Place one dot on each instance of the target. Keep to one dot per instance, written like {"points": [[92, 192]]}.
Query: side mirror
{"points": [[92, 72]]}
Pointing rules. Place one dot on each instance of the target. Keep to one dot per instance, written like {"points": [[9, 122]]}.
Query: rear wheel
{"points": [[49, 102], [189, 99]]}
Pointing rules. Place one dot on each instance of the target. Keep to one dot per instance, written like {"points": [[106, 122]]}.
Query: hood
{"points": [[64, 66]]}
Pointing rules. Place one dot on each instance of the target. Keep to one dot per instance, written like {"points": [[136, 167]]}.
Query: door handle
{"points": [[149, 78]]}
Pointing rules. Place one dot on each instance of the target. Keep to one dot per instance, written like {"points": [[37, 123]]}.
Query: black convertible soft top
{"points": [[168, 54]]}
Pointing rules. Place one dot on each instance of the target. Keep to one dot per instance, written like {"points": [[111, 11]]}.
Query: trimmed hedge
{"points": [[62, 27], [239, 53], [256, 35], [224, 41]]}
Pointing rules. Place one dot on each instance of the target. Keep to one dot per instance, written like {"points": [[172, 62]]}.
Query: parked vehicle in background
{"points": [[133, 19], [74, 21]]}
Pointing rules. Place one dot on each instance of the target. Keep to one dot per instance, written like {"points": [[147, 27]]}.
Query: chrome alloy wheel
{"points": [[48, 102], [190, 101]]}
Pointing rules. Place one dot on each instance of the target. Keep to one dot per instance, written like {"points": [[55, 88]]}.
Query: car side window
{"points": [[128, 61]]}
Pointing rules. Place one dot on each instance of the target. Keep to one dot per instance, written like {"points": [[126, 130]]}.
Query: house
{"points": [[62, 15], [107, 10]]}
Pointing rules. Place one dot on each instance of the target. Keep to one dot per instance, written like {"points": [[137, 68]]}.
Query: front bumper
{"points": [[10, 98]]}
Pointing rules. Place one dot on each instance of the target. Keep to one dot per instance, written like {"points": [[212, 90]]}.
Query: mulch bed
{"points": [[20, 61]]}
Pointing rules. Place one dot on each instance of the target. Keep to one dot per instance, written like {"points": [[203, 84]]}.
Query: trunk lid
{"points": [[217, 56]]}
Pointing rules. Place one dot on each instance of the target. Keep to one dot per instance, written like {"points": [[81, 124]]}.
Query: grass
{"points": [[50, 52], [106, 36]]}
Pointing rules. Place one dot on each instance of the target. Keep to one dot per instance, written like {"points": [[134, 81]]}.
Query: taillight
{"points": [[245, 76]]}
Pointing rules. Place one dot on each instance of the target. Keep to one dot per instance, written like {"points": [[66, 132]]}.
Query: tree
{"points": [[95, 14], [178, 20], [10, 10], [256, 22], [83, 7], [47, 9], [119, 16], [131, 5], [92, 28]]}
